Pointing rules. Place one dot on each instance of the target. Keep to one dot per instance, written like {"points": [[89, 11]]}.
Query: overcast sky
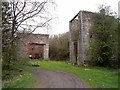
{"points": [[67, 9]]}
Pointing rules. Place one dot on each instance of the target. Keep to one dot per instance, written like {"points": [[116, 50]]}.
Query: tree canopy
{"points": [[104, 31]]}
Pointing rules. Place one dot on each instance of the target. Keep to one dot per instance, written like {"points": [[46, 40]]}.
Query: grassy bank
{"points": [[20, 82], [97, 77], [19, 75]]}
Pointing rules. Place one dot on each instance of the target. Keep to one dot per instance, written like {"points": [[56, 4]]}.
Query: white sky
{"points": [[67, 9]]}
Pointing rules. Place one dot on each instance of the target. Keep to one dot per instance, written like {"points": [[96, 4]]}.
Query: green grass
{"points": [[18, 79], [95, 77], [20, 82]]}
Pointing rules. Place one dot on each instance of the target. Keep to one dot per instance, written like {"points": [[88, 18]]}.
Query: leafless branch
{"points": [[24, 14]]}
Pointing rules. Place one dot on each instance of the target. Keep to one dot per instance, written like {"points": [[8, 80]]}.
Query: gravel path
{"points": [[56, 79]]}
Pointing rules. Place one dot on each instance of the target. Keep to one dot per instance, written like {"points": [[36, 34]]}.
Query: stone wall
{"points": [[83, 25], [22, 44], [74, 37]]}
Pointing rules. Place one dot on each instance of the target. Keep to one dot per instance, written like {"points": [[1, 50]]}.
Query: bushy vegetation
{"points": [[103, 45], [16, 68], [59, 47], [8, 46]]}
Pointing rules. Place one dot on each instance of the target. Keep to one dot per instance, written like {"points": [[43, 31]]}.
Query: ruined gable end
{"points": [[79, 28]]}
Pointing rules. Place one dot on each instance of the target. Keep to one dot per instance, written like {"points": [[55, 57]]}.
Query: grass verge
{"points": [[19, 75], [20, 82], [96, 77]]}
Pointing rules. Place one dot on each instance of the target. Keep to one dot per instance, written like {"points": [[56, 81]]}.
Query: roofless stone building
{"points": [[34, 46], [79, 28]]}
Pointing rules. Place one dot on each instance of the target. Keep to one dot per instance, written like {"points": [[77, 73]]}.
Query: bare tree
{"points": [[29, 15], [107, 9], [22, 16]]}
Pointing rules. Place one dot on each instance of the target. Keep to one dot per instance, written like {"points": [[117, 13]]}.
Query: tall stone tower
{"points": [[79, 28]]}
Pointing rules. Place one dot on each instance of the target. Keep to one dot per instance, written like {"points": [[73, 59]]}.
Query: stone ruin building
{"points": [[34, 46], [79, 28]]}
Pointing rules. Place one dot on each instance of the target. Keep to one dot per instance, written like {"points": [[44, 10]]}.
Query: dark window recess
{"points": [[90, 36], [68, 44], [76, 50], [32, 49]]}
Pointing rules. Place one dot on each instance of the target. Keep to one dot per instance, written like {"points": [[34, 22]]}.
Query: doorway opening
{"points": [[35, 51], [76, 51]]}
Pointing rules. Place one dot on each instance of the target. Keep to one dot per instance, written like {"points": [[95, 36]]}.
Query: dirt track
{"points": [[56, 79]]}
